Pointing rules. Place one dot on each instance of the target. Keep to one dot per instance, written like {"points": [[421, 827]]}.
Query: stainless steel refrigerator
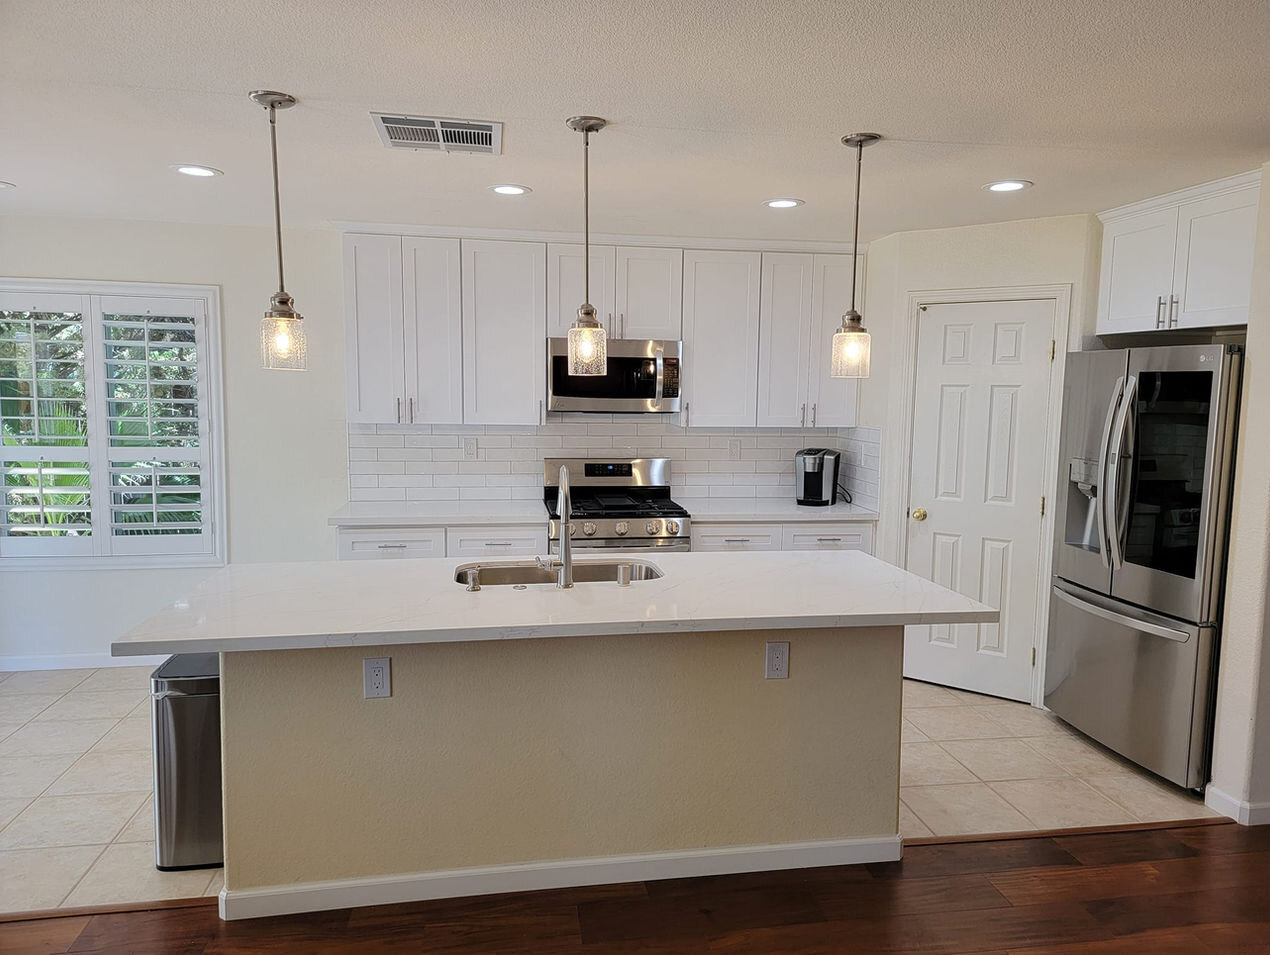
{"points": [[1139, 558]]}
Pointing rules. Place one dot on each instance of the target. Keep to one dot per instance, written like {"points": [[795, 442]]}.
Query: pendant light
{"points": [[282, 342], [588, 346], [851, 345]]}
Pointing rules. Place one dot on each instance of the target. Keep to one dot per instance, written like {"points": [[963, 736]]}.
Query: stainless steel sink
{"points": [[522, 572]]}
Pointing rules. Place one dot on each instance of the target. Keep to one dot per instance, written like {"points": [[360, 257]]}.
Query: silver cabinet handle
{"points": [[412, 409], [687, 416], [802, 416], [612, 327], [393, 546], [1155, 629], [736, 540], [1173, 303], [813, 415], [829, 540], [498, 543], [1159, 311], [398, 410], [621, 324], [542, 418]]}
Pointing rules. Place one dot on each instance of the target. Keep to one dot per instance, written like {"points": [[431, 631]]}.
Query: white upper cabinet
{"points": [[504, 331], [566, 286], [720, 335], [374, 328], [433, 326], [649, 299], [1180, 264], [784, 345], [833, 400]]}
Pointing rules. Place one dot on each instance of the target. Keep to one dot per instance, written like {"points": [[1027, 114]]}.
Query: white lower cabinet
{"points": [[380, 543], [484, 542], [716, 537], [828, 537]]}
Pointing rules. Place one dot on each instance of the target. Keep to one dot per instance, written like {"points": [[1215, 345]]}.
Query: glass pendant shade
{"points": [[850, 353], [588, 345], [283, 346]]}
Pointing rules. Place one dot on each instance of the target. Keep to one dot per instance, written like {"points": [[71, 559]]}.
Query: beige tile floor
{"points": [[76, 816]]}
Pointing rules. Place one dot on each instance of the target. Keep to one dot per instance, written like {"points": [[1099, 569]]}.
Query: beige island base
{"points": [[650, 748]]}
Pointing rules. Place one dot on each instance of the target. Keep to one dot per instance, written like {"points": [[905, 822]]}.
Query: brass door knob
{"points": [[919, 514]]}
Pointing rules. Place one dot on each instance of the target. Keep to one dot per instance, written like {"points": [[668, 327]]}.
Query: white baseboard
{"points": [[1243, 812], [488, 880], [75, 661]]}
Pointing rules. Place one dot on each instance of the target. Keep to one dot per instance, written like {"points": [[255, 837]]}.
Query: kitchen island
{"points": [[541, 737]]}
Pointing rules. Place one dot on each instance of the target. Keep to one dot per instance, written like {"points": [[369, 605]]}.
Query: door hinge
{"points": [[1042, 507], [1034, 656], [1053, 347]]}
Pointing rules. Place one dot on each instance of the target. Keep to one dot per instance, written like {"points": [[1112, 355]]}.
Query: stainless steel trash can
{"points": [[185, 697]]}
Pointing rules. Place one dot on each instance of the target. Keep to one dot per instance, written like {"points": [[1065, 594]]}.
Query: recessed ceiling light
{"points": [[8, 185], [191, 169], [510, 189], [782, 203], [1008, 185]]}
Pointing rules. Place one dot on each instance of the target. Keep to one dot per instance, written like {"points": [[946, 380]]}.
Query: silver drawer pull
{"points": [[736, 540], [498, 543], [829, 540], [393, 546]]}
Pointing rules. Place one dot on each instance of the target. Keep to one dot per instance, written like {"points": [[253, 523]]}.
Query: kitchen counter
{"points": [[289, 606], [504, 513]]}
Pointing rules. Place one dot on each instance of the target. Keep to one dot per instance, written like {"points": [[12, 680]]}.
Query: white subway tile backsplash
{"points": [[427, 462]]}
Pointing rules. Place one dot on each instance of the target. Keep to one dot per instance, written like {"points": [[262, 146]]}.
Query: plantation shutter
{"points": [[154, 414], [45, 462]]}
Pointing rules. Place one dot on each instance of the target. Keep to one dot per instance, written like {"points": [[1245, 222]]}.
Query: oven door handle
{"points": [[659, 361]]}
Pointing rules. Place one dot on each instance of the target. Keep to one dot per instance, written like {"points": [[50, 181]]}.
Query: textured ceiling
{"points": [[715, 105]]}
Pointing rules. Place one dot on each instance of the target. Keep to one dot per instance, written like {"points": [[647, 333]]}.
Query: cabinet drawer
{"points": [[828, 537], [736, 537], [389, 542], [495, 541]]}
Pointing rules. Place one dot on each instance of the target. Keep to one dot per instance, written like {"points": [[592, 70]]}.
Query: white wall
{"points": [[1241, 745], [1062, 250], [286, 444]]}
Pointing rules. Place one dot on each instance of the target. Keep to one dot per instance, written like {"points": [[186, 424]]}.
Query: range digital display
{"points": [[608, 469]]}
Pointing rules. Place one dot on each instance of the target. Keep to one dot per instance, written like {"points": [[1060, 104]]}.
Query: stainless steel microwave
{"points": [[644, 377]]}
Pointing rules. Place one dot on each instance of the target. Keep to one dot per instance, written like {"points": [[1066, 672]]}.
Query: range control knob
{"points": [[588, 528], [573, 529], [654, 527], [621, 528], [672, 527]]}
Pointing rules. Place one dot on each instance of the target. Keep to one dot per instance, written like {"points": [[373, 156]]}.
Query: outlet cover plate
{"points": [[776, 666], [377, 678]]}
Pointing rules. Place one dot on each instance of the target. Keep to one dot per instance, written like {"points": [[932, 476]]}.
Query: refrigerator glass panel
{"points": [[1166, 492]]}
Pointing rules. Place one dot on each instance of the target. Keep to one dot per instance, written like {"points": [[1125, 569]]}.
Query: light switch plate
{"points": [[377, 677], [777, 663]]}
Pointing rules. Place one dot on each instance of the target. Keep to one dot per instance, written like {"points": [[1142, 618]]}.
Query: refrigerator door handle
{"points": [[1114, 516], [1104, 543], [1155, 629]]}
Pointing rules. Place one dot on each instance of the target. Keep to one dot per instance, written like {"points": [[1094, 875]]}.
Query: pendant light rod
{"points": [[273, 101], [586, 125], [859, 141]]}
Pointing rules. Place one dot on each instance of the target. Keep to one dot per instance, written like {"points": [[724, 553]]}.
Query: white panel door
{"points": [[977, 470], [1137, 272], [373, 328], [649, 293], [1213, 274], [833, 400], [566, 284], [784, 350], [720, 368], [504, 331], [432, 305]]}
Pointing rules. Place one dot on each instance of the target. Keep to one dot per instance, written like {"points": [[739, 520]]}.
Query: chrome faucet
{"points": [[564, 507]]}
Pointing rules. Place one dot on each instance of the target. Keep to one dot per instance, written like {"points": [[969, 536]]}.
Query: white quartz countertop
{"points": [[476, 513], [378, 602]]}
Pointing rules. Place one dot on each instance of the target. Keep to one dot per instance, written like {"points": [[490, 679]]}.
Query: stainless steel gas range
{"points": [[617, 503]]}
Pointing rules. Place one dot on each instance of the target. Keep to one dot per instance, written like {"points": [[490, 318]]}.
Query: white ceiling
{"points": [[715, 105]]}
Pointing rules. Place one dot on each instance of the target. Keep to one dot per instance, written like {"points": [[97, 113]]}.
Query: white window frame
{"points": [[108, 551]]}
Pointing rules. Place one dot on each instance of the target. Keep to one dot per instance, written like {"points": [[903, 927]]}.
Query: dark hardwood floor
{"points": [[1189, 889]]}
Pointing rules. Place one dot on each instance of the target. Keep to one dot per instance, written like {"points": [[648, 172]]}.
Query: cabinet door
{"points": [[388, 543], [432, 305], [373, 328], [828, 537], [649, 293], [721, 303], [566, 287], [833, 400], [487, 542], [1137, 271], [724, 537], [504, 331], [1213, 274], [784, 350]]}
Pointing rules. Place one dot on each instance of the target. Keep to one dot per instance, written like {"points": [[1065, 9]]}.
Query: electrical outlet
{"points": [[469, 449], [734, 449], [777, 666], [377, 677]]}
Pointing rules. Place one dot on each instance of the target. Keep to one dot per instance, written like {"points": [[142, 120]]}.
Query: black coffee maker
{"points": [[816, 476]]}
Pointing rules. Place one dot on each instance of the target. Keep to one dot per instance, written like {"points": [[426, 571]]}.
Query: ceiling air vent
{"points": [[443, 135]]}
